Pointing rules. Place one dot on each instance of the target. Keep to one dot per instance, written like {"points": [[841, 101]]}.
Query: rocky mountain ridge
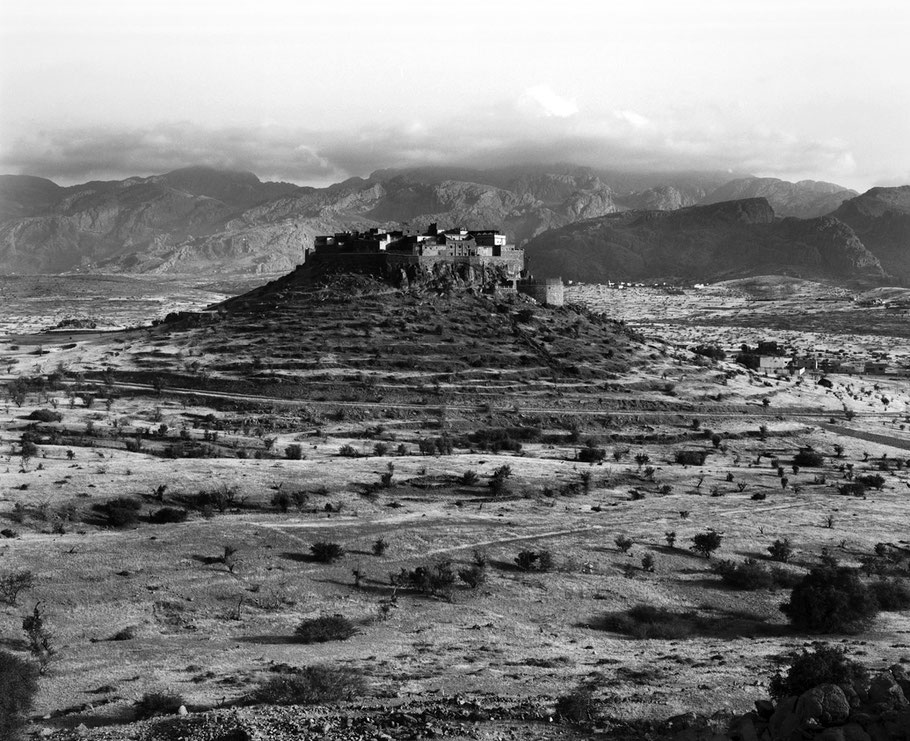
{"points": [[200, 219], [732, 239]]}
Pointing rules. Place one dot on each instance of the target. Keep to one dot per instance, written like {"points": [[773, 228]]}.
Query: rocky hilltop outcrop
{"points": [[720, 241]]}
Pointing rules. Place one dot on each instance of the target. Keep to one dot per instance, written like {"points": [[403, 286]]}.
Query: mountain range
{"points": [[577, 222]]}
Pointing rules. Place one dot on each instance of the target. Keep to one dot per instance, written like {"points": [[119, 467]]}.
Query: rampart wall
{"points": [[549, 291]]}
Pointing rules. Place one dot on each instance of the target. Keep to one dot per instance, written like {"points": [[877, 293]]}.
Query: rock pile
{"points": [[879, 711]]}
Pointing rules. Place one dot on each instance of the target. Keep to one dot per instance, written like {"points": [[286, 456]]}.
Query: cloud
{"points": [[76, 155], [702, 139], [544, 101]]}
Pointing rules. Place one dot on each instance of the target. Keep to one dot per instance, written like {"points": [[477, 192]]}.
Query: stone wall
{"points": [[549, 291]]}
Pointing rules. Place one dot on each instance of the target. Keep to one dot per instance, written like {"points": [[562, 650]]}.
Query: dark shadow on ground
{"points": [[299, 557], [648, 622], [271, 640]]}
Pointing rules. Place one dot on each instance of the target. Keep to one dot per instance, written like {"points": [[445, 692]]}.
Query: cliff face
{"points": [[881, 219], [715, 242]]}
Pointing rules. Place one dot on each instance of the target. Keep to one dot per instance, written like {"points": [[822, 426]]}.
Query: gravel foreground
{"points": [[455, 719]]}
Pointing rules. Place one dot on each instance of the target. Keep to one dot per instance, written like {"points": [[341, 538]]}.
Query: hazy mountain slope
{"points": [[662, 198], [718, 241], [881, 219], [24, 195], [805, 199]]}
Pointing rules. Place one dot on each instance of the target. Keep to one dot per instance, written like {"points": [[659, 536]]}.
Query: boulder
{"points": [[886, 691], [831, 734], [855, 732], [744, 728], [902, 677], [825, 705], [784, 721]]}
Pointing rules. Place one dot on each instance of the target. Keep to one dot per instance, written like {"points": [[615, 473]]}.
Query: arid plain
{"points": [[455, 429]]}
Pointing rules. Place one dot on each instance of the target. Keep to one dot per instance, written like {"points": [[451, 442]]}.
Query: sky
{"points": [[315, 91]]}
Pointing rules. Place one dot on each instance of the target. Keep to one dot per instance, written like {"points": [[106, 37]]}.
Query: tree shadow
{"points": [[270, 640], [510, 566], [646, 622], [369, 586], [300, 557], [14, 644]]}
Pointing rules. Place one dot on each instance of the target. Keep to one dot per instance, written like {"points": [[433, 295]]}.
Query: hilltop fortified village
{"points": [[477, 256]]}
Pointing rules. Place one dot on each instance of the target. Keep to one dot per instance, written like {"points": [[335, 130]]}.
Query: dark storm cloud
{"points": [[77, 155], [620, 140]]}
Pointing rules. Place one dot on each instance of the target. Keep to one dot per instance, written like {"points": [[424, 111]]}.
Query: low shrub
{"points": [[781, 550], [474, 575], [327, 552], [167, 515], [158, 703], [690, 457], [891, 594], [124, 634], [323, 629], [577, 706], [808, 458], [469, 478], [309, 686], [873, 480], [380, 546], [120, 512], [852, 489], [45, 415], [823, 665], [707, 542], [749, 574], [590, 454], [436, 580], [534, 560]]}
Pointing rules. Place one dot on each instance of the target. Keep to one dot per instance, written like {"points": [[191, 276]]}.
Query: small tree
{"points": [[831, 600], [623, 542], [13, 583], [781, 550], [294, 452], [380, 546], [229, 558], [281, 500], [707, 542], [497, 483], [670, 537], [39, 637]]}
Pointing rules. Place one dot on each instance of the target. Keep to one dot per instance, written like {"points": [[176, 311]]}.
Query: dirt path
{"points": [[894, 442]]}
